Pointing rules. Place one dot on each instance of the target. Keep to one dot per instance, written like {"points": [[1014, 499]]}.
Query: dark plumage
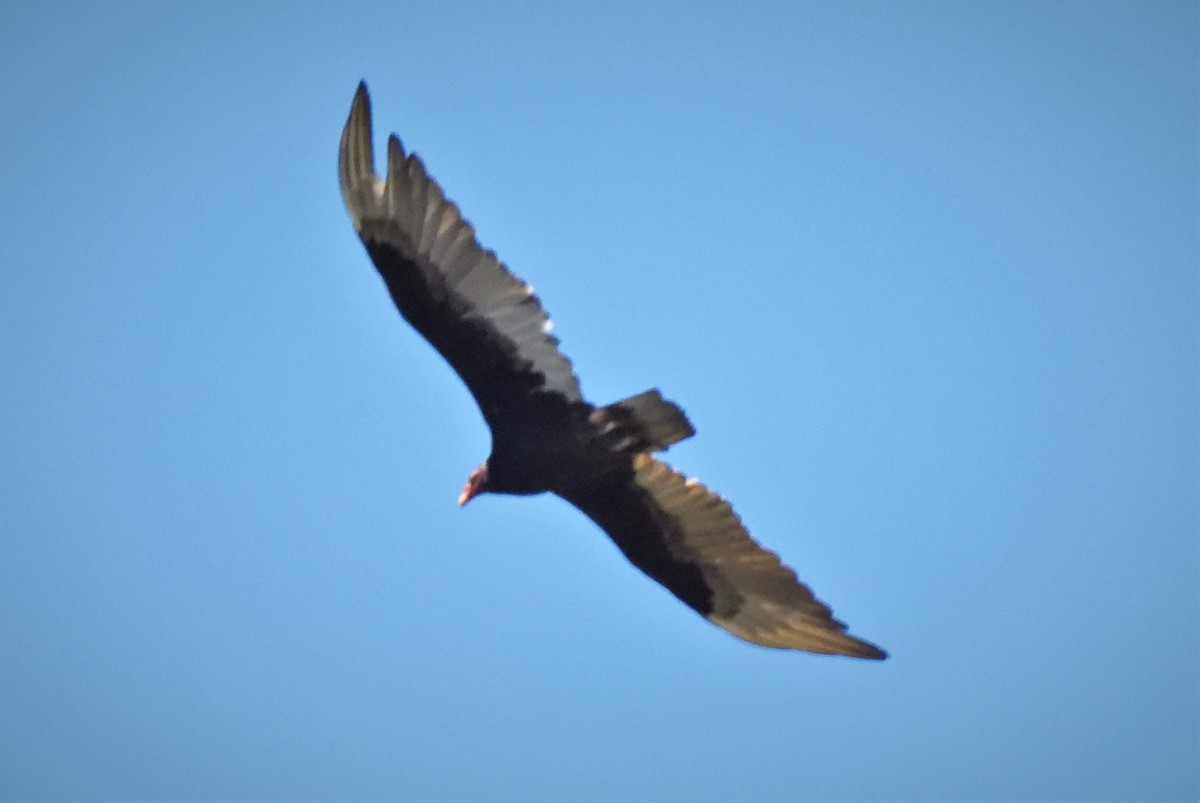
{"points": [[492, 330]]}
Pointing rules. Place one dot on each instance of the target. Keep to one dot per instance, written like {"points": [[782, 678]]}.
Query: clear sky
{"points": [[924, 275]]}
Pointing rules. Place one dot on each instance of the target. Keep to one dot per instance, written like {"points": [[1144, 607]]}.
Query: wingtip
{"points": [[360, 108], [362, 101], [855, 647], [838, 642], [786, 630], [872, 653], [356, 159], [396, 154]]}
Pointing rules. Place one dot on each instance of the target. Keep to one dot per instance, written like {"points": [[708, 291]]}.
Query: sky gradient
{"points": [[924, 276]]}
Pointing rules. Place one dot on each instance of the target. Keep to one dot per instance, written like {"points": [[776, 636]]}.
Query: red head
{"points": [[476, 484]]}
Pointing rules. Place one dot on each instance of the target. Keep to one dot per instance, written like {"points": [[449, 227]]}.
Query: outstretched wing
{"points": [[689, 539], [488, 324]]}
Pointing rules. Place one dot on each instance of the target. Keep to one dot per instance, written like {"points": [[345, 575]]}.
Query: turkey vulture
{"points": [[492, 329]]}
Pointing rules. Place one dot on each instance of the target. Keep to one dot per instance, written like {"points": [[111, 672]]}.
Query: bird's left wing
{"points": [[689, 539], [488, 324]]}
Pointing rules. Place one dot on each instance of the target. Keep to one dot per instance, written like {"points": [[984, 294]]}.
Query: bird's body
{"points": [[546, 437]]}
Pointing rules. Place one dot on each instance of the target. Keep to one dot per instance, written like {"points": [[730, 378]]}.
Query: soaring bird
{"points": [[492, 329]]}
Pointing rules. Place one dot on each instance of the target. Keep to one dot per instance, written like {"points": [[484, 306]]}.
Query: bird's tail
{"points": [[643, 423]]}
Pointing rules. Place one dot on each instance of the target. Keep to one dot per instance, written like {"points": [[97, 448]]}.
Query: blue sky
{"points": [[924, 276]]}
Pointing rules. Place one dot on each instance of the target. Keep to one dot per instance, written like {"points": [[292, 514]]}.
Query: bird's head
{"points": [[476, 484]]}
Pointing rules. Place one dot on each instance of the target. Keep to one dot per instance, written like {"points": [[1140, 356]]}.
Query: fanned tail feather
{"points": [[643, 423]]}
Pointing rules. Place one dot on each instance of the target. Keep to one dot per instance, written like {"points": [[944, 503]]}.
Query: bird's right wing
{"points": [[688, 538], [488, 324]]}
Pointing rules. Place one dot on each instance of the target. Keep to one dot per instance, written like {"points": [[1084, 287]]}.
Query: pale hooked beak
{"points": [[475, 485]]}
